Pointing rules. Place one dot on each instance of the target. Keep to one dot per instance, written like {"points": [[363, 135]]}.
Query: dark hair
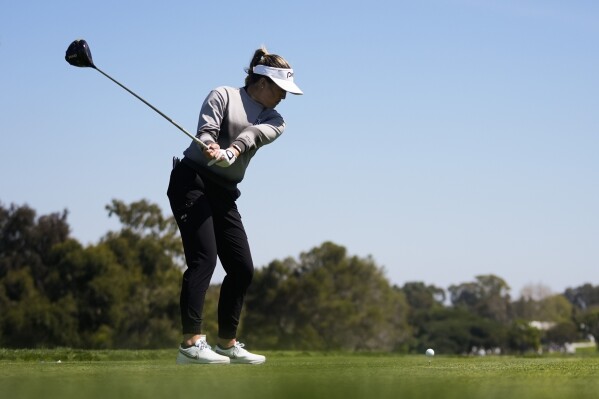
{"points": [[262, 57]]}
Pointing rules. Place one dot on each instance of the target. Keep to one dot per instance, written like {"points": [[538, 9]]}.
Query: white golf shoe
{"points": [[239, 355], [200, 353]]}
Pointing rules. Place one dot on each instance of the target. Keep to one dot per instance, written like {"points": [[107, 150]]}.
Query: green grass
{"points": [[153, 374]]}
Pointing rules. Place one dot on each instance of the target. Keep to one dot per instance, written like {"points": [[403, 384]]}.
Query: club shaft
{"points": [[194, 138]]}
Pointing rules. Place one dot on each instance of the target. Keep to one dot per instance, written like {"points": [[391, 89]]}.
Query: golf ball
{"points": [[430, 352]]}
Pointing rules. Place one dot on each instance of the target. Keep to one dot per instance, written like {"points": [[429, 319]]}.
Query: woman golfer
{"points": [[234, 123]]}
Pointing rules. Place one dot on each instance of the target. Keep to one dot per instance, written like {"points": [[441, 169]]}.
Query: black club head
{"points": [[79, 55]]}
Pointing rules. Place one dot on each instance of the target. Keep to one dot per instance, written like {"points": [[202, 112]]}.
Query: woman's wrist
{"points": [[236, 150]]}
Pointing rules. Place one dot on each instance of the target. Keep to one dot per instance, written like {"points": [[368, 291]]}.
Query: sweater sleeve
{"points": [[212, 114], [256, 136]]}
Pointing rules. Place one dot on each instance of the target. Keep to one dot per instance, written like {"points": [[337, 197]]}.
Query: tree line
{"points": [[123, 292]]}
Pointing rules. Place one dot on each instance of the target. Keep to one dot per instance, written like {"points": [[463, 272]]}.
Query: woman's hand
{"points": [[212, 152], [225, 158]]}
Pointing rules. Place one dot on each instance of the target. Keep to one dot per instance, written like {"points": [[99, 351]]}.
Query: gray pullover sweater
{"points": [[229, 116]]}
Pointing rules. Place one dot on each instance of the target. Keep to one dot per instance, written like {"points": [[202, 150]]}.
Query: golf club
{"points": [[78, 54]]}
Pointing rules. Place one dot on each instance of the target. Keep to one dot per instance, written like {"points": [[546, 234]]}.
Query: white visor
{"points": [[283, 77]]}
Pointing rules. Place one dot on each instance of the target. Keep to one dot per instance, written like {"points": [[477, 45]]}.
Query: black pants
{"points": [[210, 226]]}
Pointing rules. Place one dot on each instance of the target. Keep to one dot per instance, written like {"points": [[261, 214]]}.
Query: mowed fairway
{"points": [[153, 374]]}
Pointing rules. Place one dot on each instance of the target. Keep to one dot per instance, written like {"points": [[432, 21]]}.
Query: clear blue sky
{"points": [[446, 138]]}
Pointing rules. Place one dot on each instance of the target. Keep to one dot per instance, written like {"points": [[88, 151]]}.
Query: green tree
{"points": [[561, 333], [422, 300], [488, 297], [26, 242], [121, 292], [327, 301], [553, 308], [589, 322], [143, 285], [522, 337], [457, 330], [423, 297], [144, 219], [584, 296]]}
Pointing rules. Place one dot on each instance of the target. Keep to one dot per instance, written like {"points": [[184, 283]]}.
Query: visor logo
{"points": [[289, 75]]}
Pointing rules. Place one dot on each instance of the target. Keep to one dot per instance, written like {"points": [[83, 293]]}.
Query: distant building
{"points": [[571, 348], [542, 325], [567, 347]]}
